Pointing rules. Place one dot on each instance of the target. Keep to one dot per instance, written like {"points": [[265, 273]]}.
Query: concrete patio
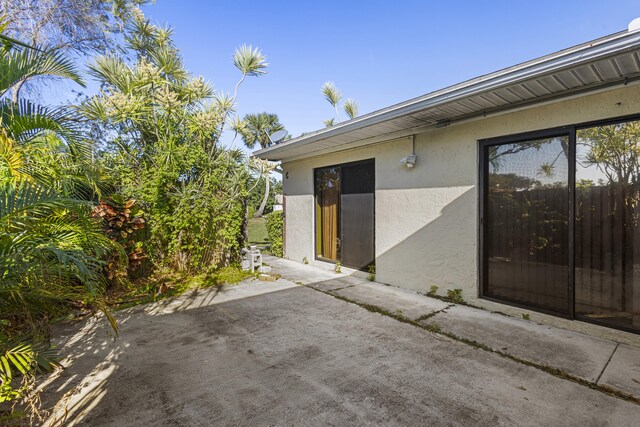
{"points": [[317, 347]]}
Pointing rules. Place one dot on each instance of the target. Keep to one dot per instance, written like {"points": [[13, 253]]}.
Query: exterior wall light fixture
{"points": [[410, 160]]}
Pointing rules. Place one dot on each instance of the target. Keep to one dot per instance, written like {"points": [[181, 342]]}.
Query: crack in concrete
{"points": [[436, 330], [607, 364]]}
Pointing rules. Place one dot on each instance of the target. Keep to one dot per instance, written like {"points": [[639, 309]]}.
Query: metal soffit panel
{"points": [[462, 101]]}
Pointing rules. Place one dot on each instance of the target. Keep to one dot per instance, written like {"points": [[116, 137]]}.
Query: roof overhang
{"points": [[593, 66]]}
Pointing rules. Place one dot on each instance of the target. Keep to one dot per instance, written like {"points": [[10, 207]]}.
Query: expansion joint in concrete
{"points": [[439, 331], [604, 368], [433, 313]]}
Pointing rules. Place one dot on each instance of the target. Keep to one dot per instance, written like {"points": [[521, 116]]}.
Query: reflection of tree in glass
{"points": [[614, 150], [497, 153], [329, 178], [529, 209], [511, 181]]}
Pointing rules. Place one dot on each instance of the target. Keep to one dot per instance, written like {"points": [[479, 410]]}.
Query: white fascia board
{"points": [[568, 58]]}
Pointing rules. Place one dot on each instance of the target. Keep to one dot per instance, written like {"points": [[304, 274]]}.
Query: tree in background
{"points": [[69, 27], [334, 96], [256, 196], [263, 169], [256, 128]]}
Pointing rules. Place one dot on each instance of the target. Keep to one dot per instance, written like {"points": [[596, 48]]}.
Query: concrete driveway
{"points": [[282, 354]]}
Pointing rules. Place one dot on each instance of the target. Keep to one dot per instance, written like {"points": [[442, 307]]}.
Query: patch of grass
{"points": [[526, 316], [257, 231], [166, 283], [338, 267], [433, 291]]}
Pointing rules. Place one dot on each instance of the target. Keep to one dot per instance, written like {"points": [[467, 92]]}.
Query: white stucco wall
{"points": [[427, 217]]}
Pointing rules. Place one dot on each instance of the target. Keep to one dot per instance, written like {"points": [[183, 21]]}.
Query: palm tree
{"points": [[50, 250], [256, 128]]}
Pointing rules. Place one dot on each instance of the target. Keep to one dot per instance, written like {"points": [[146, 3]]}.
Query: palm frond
{"points": [[18, 66], [26, 120], [12, 161], [331, 93], [113, 71], [250, 61], [351, 108], [329, 122]]}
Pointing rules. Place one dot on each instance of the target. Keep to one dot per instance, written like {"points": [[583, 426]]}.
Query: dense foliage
{"points": [[51, 251], [95, 195], [160, 130], [274, 231]]}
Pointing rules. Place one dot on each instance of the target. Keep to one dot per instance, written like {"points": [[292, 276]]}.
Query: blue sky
{"points": [[377, 52]]}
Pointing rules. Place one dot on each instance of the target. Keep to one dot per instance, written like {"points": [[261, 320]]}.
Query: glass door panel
{"points": [[607, 234], [357, 215], [328, 184], [526, 223]]}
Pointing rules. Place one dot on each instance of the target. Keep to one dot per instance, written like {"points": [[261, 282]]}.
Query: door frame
{"points": [[315, 211], [482, 198]]}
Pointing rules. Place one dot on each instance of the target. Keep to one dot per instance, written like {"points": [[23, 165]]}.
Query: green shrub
{"points": [[274, 231]]}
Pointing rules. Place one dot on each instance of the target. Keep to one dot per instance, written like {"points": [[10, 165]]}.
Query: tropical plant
{"points": [[51, 250], [257, 128], [162, 128], [334, 96], [73, 28], [122, 221]]}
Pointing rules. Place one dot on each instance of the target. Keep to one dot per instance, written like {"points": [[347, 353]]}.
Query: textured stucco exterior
{"points": [[426, 230]]}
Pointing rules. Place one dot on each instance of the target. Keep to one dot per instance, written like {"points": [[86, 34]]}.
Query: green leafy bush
{"points": [[160, 129], [274, 231]]}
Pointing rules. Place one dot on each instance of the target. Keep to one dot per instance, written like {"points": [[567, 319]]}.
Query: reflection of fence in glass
{"points": [[607, 232], [528, 222], [527, 228]]}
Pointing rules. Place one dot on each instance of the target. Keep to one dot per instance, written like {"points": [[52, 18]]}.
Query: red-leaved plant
{"points": [[121, 219]]}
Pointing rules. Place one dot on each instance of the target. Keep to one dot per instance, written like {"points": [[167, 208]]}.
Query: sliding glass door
{"points": [[345, 214], [560, 213], [527, 216]]}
